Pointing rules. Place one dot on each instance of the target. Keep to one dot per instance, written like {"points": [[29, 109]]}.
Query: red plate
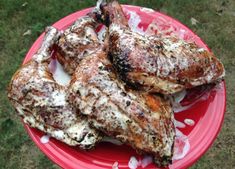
{"points": [[208, 113]]}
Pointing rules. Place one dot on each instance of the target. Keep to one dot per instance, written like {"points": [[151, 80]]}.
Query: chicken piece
{"points": [[141, 120], [41, 102], [157, 64], [77, 42]]}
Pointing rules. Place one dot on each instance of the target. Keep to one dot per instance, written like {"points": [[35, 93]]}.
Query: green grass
{"points": [[216, 27]]}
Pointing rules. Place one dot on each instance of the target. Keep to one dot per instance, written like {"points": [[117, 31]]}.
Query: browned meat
{"points": [[77, 42], [157, 64], [141, 120], [41, 102]]}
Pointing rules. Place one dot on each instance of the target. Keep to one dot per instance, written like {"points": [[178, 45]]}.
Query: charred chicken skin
{"points": [[41, 102], [141, 120], [156, 64], [96, 101], [110, 108]]}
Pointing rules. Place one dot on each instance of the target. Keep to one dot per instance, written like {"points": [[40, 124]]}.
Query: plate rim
{"points": [[80, 13]]}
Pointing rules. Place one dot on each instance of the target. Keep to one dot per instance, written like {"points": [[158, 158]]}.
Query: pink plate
{"points": [[207, 110]]}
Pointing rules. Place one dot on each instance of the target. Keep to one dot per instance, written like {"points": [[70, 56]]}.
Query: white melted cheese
{"points": [[146, 161], [45, 139], [133, 163], [177, 107], [189, 122], [60, 76], [115, 165], [178, 97], [112, 140], [179, 124], [181, 147], [180, 108]]}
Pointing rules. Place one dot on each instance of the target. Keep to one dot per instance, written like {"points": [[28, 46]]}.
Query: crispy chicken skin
{"points": [[41, 102], [157, 64], [96, 100], [77, 42], [141, 120]]}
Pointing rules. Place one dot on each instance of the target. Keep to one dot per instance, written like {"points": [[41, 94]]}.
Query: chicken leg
{"points": [[41, 102], [157, 64], [141, 120]]}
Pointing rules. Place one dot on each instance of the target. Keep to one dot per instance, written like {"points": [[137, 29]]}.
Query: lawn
{"points": [[22, 21]]}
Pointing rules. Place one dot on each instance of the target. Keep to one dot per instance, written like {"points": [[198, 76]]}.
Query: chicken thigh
{"points": [[156, 64], [41, 102], [141, 120]]}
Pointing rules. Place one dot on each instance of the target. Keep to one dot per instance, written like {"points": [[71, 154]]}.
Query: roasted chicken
{"points": [[78, 41], [41, 102], [102, 95], [99, 95], [141, 120], [164, 64]]}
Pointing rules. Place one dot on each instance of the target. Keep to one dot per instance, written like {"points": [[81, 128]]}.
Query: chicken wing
{"points": [[141, 120], [77, 42], [41, 102], [157, 64]]}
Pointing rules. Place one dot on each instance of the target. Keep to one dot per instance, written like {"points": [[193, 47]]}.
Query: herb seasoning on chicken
{"points": [[157, 64], [41, 102], [141, 120]]}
